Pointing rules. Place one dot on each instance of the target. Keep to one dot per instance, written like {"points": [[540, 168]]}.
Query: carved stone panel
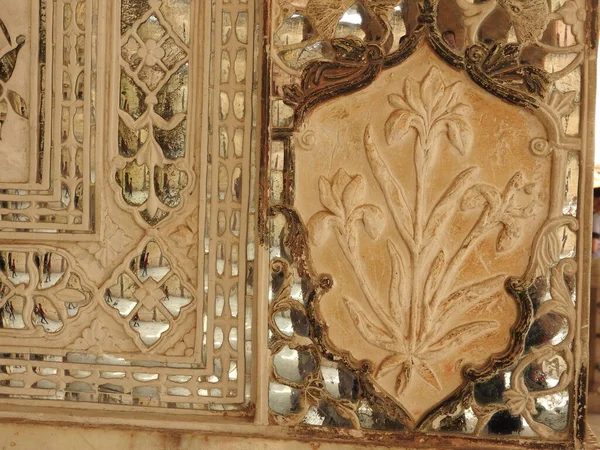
{"points": [[48, 119], [128, 281], [423, 216], [425, 210]]}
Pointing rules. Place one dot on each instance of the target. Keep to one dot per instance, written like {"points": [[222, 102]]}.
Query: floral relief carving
{"points": [[116, 239], [426, 314], [96, 339], [140, 304], [421, 230], [55, 188], [8, 61]]}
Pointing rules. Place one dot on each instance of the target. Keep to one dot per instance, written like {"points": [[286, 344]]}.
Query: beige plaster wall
{"points": [[14, 436], [34, 436]]}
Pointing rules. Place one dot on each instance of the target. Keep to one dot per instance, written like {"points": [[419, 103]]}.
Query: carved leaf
{"points": [[18, 104], [354, 193], [460, 335], [562, 103], [327, 198], [403, 377], [93, 336], [464, 299], [432, 89], [398, 125], [435, 272], [479, 195], [391, 363], [501, 56], [398, 301], [318, 227], [442, 212], [371, 332], [536, 80], [460, 135], [549, 252], [427, 374], [412, 93], [398, 102], [560, 294], [394, 193], [461, 109], [511, 231], [449, 100]]}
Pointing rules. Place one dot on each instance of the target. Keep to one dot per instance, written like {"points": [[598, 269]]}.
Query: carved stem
{"points": [[353, 259], [386, 182], [448, 280], [418, 303]]}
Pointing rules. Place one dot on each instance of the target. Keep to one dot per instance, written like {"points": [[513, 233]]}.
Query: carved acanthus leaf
{"points": [[563, 103]]}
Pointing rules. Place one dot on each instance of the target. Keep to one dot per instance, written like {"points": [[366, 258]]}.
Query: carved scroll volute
{"points": [[422, 199]]}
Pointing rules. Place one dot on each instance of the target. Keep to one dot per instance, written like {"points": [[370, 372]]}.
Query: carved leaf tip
{"points": [[18, 105], [428, 376], [398, 102], [391, 363], [403, 378], [326, 197], [373, 333], [432, 89], [461, 335], [460, 135]]}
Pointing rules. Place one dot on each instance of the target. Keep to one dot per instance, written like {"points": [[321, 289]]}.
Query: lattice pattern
{"points": [[156, 312], [153, 164], [59, 195], [229, 255]]}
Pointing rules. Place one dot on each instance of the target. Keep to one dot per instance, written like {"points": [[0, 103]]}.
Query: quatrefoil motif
{"points": [[149, 295]]}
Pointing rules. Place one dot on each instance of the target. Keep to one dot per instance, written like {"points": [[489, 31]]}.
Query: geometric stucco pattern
{"points": [[128, 277]]}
